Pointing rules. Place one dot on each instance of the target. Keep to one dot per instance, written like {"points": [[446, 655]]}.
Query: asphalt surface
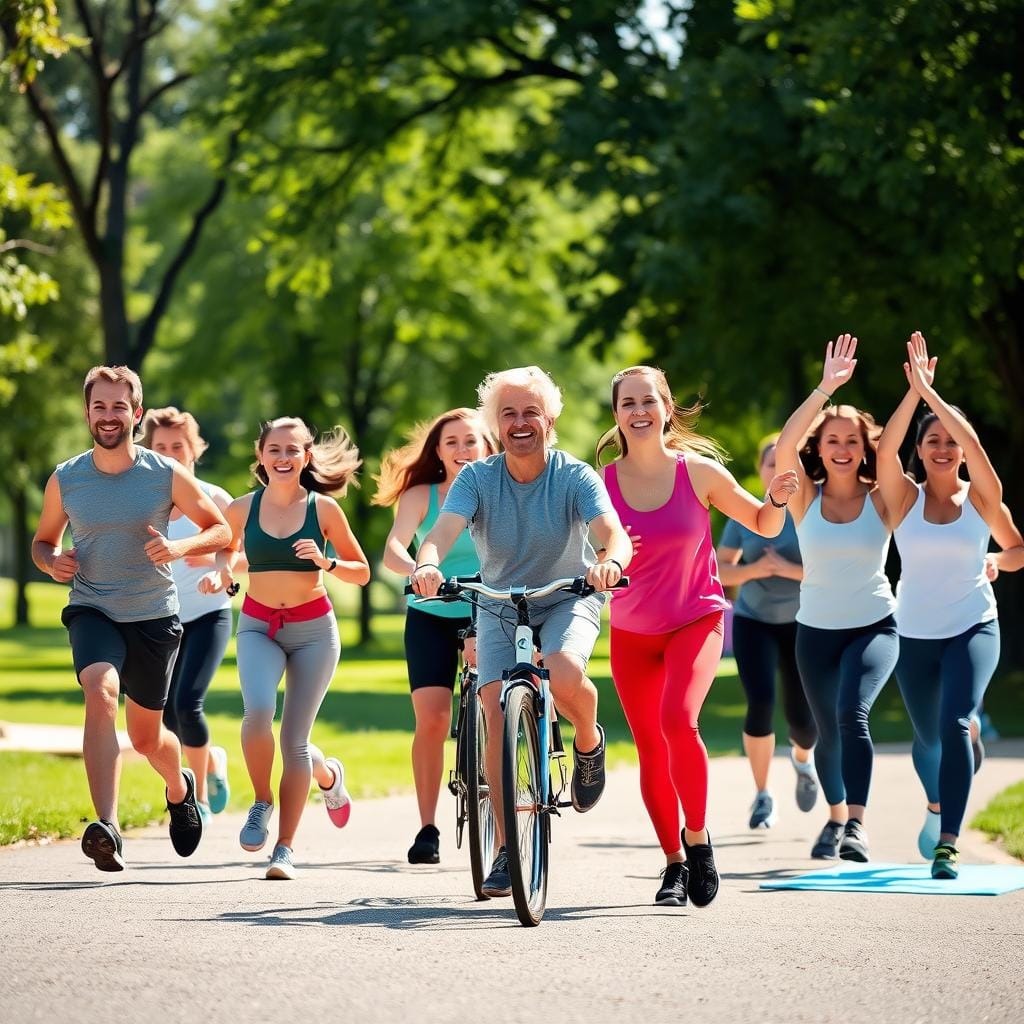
{"points": [[363, 936]]}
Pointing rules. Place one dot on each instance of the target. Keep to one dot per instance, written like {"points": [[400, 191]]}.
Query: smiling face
{"points": [[841, 446], [939, 453], [284, 454], [461, 441], [174, 443], [640, 411], [110, 415], [523, 423]]}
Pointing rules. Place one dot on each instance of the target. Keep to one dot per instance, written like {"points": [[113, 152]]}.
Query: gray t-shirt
{"points": [[773, 600], [530, 534], [108, 514]]}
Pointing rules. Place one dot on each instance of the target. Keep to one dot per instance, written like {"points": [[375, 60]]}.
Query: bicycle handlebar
{"points": [[451, 589]]}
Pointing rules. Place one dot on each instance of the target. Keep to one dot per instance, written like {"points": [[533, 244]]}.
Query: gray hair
{"points": [[531, 377]]}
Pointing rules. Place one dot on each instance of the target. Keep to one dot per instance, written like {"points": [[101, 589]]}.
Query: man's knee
{"points": [[567, 671], [100, 687]]}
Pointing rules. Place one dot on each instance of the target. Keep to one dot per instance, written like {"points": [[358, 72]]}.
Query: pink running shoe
{"points": [[339, 803]]}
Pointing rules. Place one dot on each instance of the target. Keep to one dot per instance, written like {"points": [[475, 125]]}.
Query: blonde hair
{"points": [[417, 462], [333, 462], [115, 375], [680, 433], [531, 377], [173, 419]]}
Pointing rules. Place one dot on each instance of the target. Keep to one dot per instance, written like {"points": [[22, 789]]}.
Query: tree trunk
{"points": [[22, 543], [361, 514]]}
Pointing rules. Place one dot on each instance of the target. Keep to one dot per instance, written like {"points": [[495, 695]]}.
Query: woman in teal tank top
{"points": [[416, 479]]}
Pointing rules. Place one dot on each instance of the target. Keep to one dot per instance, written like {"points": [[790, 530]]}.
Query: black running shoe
{"points": [[101, 843], [702, 879], [588, 776], [854, 844], [827, 845], [186, 827], [426, 848], [673, 886], [498, 882]]}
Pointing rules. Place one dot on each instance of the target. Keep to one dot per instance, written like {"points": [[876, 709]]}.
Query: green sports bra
{"points": [[275, 554]]}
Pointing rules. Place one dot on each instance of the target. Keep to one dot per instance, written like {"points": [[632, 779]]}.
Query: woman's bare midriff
{"points": [[285, 589]]}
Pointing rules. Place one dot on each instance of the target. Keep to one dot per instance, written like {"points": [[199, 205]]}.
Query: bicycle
{"points": [[529, 791]]}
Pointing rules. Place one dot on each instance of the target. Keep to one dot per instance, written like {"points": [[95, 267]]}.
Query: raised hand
{"points": [[307, 548], [840, 362], [784, 486], [160, 550], [65, 565], [919, 369]]}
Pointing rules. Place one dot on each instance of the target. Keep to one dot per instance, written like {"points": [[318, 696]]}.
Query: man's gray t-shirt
{"points": [[774, 600], [108, 514], [530, 534]]}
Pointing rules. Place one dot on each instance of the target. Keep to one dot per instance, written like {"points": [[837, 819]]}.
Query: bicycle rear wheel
{"points": [[479, 812], [526, 838]]}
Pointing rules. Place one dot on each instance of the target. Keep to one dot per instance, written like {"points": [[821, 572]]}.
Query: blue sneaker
{"points": [[254, 832], [217, 788]]}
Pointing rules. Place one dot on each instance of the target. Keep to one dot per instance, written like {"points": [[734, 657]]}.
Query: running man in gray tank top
{"points": [[121, 615]]}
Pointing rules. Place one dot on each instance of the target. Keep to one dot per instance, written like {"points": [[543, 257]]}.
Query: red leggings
{"points": [[662, 682]]}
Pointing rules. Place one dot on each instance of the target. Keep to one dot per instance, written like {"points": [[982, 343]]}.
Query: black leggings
{"points": [[760, 648], [203, 644]]}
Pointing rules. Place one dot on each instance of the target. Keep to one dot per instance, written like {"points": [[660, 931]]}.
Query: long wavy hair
{"points": [[417, 461], [917, 470], [680, 426], [870, 431], [334, 460]]}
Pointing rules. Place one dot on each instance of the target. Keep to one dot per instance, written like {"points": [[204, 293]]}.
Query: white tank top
{"points": [[192, 604], [943, 589], [844, 584]]}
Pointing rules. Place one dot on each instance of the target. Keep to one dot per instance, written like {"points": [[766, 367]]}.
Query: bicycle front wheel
{"points": [[479, 812], [525, 820]]}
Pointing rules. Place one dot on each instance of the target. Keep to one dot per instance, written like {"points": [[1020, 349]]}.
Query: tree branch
{"points": [[27, 243], [165, 87]]}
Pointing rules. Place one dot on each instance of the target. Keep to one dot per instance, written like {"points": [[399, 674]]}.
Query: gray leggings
{"points": [[306, 653]]}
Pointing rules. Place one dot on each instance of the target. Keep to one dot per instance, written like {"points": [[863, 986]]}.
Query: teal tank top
{"points": [[275, 554], [462, 560]]}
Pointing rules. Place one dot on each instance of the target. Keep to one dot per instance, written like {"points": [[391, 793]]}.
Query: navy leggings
{"points": [[203, 644], [843, 671], [942, 682], [760, 649]]}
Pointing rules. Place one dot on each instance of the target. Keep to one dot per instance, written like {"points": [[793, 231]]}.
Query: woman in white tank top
{"points": [[946, 610], [846, 644]]}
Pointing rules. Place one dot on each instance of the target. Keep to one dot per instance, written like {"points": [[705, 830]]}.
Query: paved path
{"points": [[362, 936]]}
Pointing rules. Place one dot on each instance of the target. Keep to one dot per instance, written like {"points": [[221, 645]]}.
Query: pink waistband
{"points": [[277, 617]]}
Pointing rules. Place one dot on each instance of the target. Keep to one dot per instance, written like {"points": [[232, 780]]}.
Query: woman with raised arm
{"points": [[768, 574], [417, 477], [945, 607], [287, 626], [667, 626], [205, 618], [846, 644]]}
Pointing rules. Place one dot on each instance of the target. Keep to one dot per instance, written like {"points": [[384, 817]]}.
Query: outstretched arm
{"points": [[840, 362], [715, 485]]}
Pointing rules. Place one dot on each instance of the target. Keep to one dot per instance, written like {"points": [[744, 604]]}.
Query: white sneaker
{"points": [[336, 798], [281, 865], [928, 837], [254, 832]]}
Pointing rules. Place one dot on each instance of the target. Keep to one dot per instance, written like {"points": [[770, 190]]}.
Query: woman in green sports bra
{"points": [[417, 478], [287, 625]]}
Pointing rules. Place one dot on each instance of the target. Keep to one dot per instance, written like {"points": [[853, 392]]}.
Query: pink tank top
{"points": [[673, 578]]}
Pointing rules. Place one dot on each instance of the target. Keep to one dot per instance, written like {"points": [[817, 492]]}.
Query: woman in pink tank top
{"points": [[666, 636]]}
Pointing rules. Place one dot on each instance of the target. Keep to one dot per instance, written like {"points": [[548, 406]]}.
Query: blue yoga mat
{"points": [[974, 880]]}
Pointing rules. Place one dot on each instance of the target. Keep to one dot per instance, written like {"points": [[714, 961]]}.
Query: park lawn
{"points": [[366, 719], [1003, 818]]}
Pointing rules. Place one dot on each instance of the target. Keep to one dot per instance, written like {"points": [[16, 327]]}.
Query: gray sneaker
{"points": [[281, 865], [253, 836], [762, 813], [806, 783], [854, 844], [498, 882]]}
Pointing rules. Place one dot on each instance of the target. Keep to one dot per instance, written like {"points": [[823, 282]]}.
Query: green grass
{"points": [[1004, 818], [366, 719]]}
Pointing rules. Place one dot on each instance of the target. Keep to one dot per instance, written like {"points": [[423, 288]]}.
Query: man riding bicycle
{"points": [[530, 511]]}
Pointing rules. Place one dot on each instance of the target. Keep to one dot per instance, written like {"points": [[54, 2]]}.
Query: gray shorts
{"points": [[569, 627]]}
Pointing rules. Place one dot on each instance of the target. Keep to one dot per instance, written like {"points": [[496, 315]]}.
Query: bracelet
{"points": [[822, 391], [332, 566], [232, 589], [617, 562], [427, 565], [775, 503]]}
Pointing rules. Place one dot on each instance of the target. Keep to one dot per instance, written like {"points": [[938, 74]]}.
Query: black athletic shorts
{"points": [[432, 645], [142, 652]]}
